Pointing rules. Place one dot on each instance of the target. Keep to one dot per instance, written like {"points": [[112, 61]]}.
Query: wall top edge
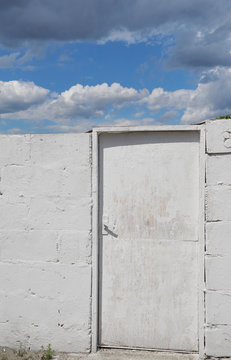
{"points": [[28, 135], [120, 129]]}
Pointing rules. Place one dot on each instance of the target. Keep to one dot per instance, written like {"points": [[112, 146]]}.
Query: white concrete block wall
{"points": [[218, 239], [45, 241]]}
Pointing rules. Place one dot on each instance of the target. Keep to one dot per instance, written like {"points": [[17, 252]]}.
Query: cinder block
{"points": [[59, 150], [13, 215], [45, 241], [218, 241], [218, 270], [14, 149], [218, 136], [218, 169], [72, 182], [77, 182], [68, 247], [218, 307], [15, 183], [74, 247], [218, 203], [218, 341], [45, 303], [46, 280], [21, 245], [59, 214]]}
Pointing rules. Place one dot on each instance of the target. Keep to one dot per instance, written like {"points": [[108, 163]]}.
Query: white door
{"points": [[149, 207]]}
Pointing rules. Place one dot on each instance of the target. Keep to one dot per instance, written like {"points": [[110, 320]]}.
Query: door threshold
{"points": [[125, 353], [147, 349]]}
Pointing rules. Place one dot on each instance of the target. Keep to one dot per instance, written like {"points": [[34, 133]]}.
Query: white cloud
{"points": [[82, 102], [139, 114], [134, 122], [18, 95], [26, 57], [21, 58], [211, 98], [130, 37], [8, 61], [84, 125], [160, 99], [168, 116], [82, 107]]}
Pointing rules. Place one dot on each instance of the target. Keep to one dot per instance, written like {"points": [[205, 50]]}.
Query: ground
{"points": [[109, 354]]}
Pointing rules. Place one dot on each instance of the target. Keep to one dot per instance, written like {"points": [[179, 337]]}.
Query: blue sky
{"points": [[66, 66]]}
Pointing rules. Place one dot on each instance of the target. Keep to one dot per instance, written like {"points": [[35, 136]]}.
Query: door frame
{"points": [[95, 223]]}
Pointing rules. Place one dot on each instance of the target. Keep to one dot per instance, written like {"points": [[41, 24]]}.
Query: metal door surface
{"points": [[149, 209]]}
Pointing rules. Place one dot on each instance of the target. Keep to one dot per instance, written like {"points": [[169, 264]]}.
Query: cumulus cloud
{"points": [[160, 99], [211, 98], [168, 116], [81, 107], [84, 125], [201, 28], [18, 95], [90, 101], [76, 103], [134, 122]]}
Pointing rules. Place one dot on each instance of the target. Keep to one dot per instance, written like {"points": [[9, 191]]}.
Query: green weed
{"points": [[224, 117], [48, 353], [21, 352]]}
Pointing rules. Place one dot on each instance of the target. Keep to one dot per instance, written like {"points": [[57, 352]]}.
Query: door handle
{"points": [[105, 224]]}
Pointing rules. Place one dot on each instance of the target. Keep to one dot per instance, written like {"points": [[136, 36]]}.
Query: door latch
{"points": [[105, 224]]}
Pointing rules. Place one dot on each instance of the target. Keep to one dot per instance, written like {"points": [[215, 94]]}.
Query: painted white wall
{"points": [[45, 241], [218, 238]]}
